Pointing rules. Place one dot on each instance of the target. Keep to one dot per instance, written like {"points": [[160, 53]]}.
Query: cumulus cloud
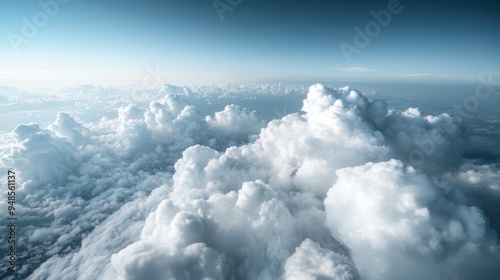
{"points": [[432, 143], [398, 224], [310, 261], [249, 234], [289, 184], [66, 126], [75, 175], [480, 176], [354, 69], [482, 183], [235, 119], [161, 191]]}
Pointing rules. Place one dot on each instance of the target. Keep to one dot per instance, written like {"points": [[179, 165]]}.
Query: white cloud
{"points": [[310, 261], [160, 191], [354, 69], [76, 175], [398, 224], [235, 119]]}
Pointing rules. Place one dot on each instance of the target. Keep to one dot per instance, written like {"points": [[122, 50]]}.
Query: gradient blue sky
{"points": [[117, 42]]}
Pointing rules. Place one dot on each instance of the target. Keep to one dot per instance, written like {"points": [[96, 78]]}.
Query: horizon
{"points": [[56, 43]]}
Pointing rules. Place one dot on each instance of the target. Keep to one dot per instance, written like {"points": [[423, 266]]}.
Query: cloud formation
{"points": [[399, 224], [163, 192]]}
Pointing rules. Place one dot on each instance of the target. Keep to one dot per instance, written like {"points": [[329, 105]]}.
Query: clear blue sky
{"points": [[116, 41]]}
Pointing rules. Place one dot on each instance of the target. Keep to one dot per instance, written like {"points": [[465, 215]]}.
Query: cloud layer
{"points": [[347, 189]]}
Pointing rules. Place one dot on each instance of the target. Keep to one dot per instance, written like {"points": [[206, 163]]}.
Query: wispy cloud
{"points": [[354, 69], [417, 75], [427, 75], [439, 77]]}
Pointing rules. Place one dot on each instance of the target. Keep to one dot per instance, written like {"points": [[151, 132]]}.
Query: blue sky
{"points": [[116, 42]]}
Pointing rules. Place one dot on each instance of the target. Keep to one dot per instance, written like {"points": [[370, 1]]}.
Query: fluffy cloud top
{"points": [[398, 224], [235, 119]]}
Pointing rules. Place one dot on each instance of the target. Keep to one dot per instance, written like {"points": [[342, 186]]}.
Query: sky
{"points": [[129, 42]]}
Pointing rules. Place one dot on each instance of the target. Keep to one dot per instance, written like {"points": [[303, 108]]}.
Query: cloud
{"points": [[428, 142], [310, 261], [8, 91], [398, 224], [76, 175], [263, 197], [235, 119], [160, 191], [66, 126], [354, 69], [481, 183]]}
